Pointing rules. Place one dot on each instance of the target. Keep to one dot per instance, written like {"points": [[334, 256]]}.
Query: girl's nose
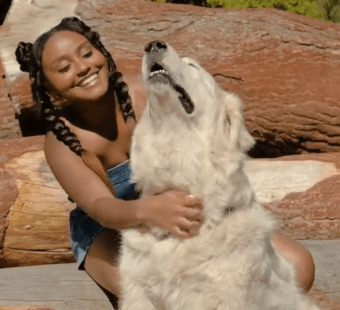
{"points": [[82, 68]]}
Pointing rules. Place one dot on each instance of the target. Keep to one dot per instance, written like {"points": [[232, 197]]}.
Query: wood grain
{"points": [[61, 286]]}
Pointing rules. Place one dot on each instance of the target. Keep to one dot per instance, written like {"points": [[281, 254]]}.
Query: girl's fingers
{"points": [[192, 227], [195, 227], [187, 229], [181, 234], [193, 214], [193, 201]]}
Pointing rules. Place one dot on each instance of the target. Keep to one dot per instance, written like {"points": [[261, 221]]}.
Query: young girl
{"points": [[89, 119]]}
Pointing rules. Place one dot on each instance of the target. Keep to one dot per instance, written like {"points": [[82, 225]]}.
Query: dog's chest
{"points": [[168, 158]]}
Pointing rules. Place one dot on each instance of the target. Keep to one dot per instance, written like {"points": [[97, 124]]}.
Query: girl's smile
{"points": [[88, 81]]}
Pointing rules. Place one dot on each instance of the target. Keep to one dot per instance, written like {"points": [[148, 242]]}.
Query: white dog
{"points": [[191, 136]]}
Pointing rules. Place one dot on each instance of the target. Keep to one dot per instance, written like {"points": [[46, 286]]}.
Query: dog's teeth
{"points": [[158, 71]]}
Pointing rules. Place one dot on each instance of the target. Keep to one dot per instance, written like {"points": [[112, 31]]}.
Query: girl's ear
{"points": [[233, 124]]}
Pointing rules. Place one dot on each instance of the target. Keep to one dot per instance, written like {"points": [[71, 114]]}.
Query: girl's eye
{"points": [[64, 69], [88, 54]]}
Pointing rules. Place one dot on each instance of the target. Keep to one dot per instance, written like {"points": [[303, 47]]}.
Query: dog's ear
{"points": [[231, 122]]}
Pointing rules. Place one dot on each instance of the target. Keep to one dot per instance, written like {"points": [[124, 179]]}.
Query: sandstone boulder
{"points": [[34, 210], [285, 66], [302, 191]]}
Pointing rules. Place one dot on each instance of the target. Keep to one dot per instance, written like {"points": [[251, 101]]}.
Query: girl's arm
{"points": [[172, 210]]}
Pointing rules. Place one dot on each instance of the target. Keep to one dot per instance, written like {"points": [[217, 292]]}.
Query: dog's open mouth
{"points": [[157, 69], [160, 75]]}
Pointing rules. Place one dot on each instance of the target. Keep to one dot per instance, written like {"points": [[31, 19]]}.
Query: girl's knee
{"points": [[305, 268], [300, 256]]}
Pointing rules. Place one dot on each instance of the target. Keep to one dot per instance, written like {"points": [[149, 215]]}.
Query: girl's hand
{"points": [[175, 211]]}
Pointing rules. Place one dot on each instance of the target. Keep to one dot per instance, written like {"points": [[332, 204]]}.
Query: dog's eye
{"points": [[193, 66]]}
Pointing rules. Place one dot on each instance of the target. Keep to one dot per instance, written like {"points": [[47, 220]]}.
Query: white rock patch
{"points": [[273, 180]]}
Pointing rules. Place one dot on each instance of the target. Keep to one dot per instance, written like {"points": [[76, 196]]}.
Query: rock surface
{"points": [[303, 191], [289, 63], [284, 66], [9, 126], [34, 210]]}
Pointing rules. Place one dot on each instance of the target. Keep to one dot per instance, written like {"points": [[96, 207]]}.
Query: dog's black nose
{"points": [[154, 46]]}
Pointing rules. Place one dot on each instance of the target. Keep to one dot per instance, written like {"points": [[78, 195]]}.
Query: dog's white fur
{"points": [[232, 263]]}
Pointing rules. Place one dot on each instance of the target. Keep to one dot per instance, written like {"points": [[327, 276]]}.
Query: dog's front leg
{"points": [[136, 299], [135, 278]]}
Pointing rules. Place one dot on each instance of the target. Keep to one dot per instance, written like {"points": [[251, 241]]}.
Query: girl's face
{"points": [[75, 70]]}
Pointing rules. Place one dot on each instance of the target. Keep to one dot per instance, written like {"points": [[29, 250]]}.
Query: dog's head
{"points": [[180, 87]]}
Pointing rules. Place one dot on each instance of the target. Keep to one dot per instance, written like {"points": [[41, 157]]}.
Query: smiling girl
{"points": [[89, 119]]}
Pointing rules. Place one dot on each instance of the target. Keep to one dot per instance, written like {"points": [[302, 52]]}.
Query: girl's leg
{"points": [[101, 261], [296, 253]]}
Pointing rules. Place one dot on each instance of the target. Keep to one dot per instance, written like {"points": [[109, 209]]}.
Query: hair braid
{"points": [[64, 134], [122, 92], [116, 77], [60, 129]]}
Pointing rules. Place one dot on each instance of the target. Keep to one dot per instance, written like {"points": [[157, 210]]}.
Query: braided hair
{"points": [[29, 56]]}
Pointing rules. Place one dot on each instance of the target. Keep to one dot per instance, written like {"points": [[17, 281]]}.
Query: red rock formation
{"points": [[302, 191], [288, 63], [284, 66]]}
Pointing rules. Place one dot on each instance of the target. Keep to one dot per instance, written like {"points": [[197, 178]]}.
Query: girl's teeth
{"points": [[88, 80]]}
